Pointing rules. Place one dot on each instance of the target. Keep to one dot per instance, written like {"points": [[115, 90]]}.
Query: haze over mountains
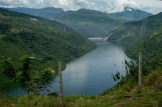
{"points": [[89, 23]]}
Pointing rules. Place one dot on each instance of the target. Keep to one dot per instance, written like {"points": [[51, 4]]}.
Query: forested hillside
{"points": [[47, 41], [151, 48], [132, 31], [144, 36]]}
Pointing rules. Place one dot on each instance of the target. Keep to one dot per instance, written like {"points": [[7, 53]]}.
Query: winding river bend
{"points": [[90, 74]]}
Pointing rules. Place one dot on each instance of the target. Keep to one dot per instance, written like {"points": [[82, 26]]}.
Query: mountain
{"points": [[131, 14], [46, 40], [89, 23], [148, 39], [45, 12], [151, 48], [132, 31]]}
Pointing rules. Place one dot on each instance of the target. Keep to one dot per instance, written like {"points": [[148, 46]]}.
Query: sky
{"points": [[151, 6]]}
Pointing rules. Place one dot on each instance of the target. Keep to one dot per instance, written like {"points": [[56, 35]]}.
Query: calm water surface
{"points": [[90, 74]]}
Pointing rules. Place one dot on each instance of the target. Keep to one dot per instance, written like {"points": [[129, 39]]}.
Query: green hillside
{"points": [[151, 48], [45, 40], [89, 23], [148, 42], [129, 32]]}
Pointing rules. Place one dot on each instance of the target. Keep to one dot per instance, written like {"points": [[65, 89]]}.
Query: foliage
{"points": [[131, 70], [25, 71], [4, 28], [117, 76], [45, 78], [29, 80], [131, 73], [8, 68], [151, 47]]}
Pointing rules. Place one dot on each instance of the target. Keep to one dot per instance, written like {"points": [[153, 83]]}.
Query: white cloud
{"points": [[153, 6], [121, 4]]}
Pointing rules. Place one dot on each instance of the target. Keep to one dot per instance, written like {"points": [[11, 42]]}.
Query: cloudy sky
{"points": [[152, 6]]}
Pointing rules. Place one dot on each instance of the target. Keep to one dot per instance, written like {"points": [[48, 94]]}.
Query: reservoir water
{"points": [[90, 74]]}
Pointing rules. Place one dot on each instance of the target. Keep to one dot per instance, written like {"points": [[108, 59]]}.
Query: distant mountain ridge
{"points": [[131, 14], [89, 23]]}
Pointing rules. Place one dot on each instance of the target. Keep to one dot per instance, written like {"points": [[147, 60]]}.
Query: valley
{"points": [[89, 23], [60, 57]]}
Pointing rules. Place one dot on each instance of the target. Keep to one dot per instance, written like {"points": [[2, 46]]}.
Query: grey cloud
{"points": [[101, 5]]}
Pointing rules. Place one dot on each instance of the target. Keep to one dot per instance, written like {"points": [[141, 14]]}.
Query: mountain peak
{"points": [[129, 9], [132, 14], [52, 8], [86, 10]]}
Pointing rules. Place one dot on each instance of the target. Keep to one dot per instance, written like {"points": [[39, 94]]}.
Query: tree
{"points": [[45, 78], [131, 72], [25, 72], [35, 83], [8, 68]]}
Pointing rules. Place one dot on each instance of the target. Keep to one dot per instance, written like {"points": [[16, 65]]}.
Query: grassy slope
{"points": [[123, 96]]}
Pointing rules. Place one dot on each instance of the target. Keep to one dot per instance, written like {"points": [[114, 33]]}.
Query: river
{"points": [[90, 74]]}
